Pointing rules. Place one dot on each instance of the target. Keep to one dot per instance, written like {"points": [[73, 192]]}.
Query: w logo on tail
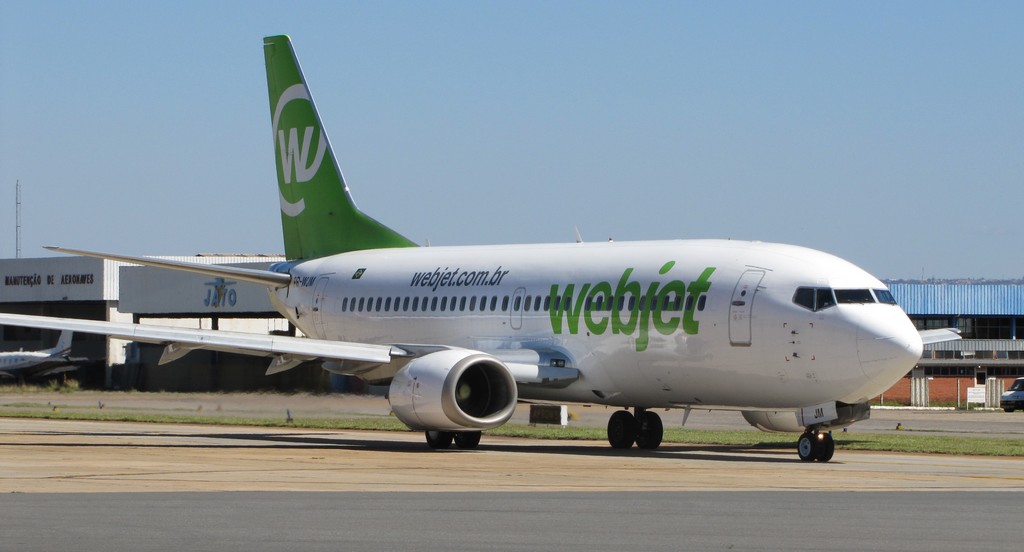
{"points": [[295, 152], [295, 155]]}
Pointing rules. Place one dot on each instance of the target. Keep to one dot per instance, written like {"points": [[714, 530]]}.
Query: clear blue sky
{"points": [[888, 133]]}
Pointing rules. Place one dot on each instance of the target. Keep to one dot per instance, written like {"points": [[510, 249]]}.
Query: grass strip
{"points": [[903, 442]]}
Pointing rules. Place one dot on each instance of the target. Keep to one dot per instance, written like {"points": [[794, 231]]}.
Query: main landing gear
{"points": [[443, 439], [643, 428], [816, 445]]}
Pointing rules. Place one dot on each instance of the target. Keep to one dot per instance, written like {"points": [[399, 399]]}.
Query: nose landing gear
{"points": [[816, 445]]}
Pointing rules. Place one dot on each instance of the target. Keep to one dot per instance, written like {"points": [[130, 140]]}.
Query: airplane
{"points": [[47, 362], [796, 339]]}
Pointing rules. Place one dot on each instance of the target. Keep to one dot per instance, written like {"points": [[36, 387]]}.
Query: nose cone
{"points": [[888, 347]]}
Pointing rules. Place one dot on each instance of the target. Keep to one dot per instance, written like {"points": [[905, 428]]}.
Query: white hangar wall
{"points": [[65, 286], [154, 291], [54, 279]]}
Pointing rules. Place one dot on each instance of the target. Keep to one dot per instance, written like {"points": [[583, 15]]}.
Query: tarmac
{"points": [[475, 521], [79, 456], [100, 486]]}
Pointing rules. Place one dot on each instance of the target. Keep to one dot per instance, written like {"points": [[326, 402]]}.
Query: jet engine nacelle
{"points": [[823, 416], [454, 390], [784, 421]]}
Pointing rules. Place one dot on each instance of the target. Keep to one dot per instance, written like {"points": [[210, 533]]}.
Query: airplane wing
{"points": [[69, 367], [940, 335], [56, 365], [286, 351], [373, 362]]}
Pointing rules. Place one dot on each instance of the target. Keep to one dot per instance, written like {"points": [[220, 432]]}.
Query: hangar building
{"points": [[96, 289], [990, 317]]}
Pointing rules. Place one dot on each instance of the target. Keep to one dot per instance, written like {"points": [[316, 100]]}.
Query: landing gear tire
{"points": [[816, 446], [650, 430], [826, 448], [467, 439], [805, 447], [622, 429], [440, 439]]}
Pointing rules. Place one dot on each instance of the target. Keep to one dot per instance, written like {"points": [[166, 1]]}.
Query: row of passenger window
{"points": [[406, 304], [528, 303], [818, 298]]}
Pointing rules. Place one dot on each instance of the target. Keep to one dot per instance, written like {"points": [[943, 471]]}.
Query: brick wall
{"points": [[941, 389], [899, 392]]}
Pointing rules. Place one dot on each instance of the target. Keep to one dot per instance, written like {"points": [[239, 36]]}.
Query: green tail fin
{"points": [[318, 215]]}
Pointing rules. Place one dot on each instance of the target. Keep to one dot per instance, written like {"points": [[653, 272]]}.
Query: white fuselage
{"points": [[691, 322], [22, 359], [47, 361]]}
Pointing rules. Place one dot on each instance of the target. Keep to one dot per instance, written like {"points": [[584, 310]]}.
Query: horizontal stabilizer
{"points": [[940, 335], [251, 275]]}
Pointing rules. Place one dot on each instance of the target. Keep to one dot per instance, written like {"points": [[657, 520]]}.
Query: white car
{"points": [[1013, 398]]}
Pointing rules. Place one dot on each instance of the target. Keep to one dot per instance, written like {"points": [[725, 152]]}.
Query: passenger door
{"points": [[741, 307], [319, 316]]}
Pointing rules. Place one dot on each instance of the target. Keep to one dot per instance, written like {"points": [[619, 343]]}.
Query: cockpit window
{"points": [[846, 296], [885, 296], [814, 299], [804, 297], [823, 298]]}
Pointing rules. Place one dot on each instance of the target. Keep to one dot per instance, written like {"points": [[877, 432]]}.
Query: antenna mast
{"points": [[17, 219]]}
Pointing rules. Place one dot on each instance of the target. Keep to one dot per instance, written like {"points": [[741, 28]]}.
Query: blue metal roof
{"points": [[960, 299]]}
